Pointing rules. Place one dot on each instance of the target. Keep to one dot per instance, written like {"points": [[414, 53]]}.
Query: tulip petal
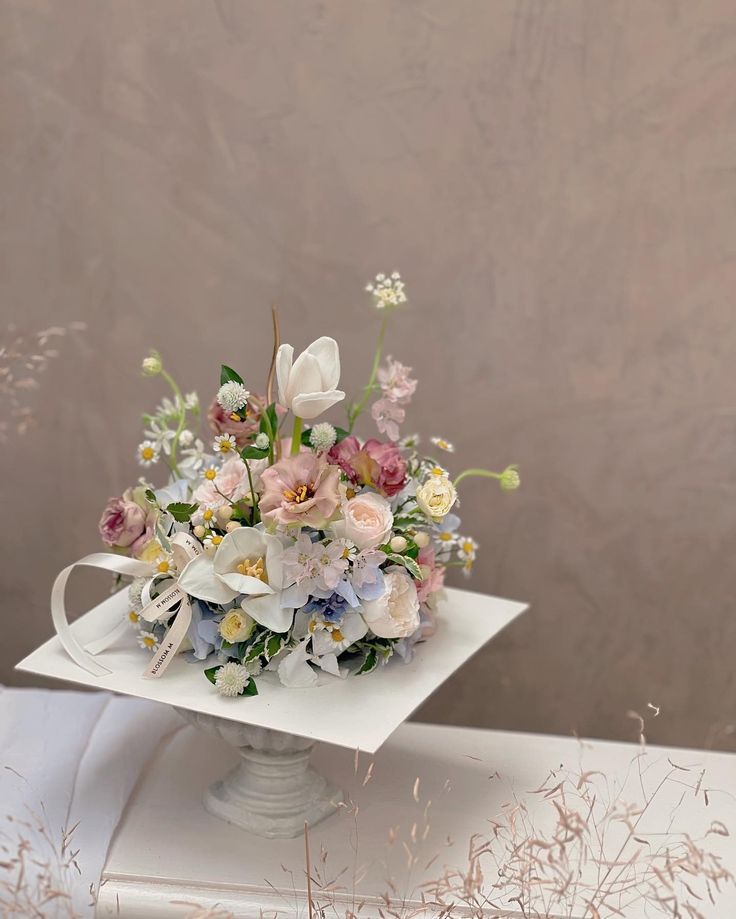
{"points": [[284, 360], [305, 377], [310, 405], [245, 584], [327, 352], [267, 611], [199, 580]]}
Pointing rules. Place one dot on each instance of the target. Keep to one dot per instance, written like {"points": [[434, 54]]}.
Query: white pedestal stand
{"points": [[273, 791]]}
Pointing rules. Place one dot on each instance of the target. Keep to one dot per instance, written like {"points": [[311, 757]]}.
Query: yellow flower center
{"points": [[216, 540], [149, 642], [467, 546], [337, 635], [133, 616], [208, 514], [349, 493], [148, 453], [164, 567], [438, 470], [446, 537], [225, 446], [300, 494], [210, 474], [256, 569]]}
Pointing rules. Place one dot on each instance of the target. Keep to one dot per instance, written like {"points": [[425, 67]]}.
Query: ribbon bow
{"points": [[184, 549]]}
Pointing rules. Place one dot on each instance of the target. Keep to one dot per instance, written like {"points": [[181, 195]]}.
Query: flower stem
{"points": [[481, 473], [252, 494], [358, 407], [179, 399], [296, 436]]}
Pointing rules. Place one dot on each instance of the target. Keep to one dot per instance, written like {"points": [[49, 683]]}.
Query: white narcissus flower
{"points": [[247, 563], [308, 385], [395, 614]]}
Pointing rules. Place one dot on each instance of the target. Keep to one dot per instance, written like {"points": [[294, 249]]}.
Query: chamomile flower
{"points": [[148, 453], [439, 471], [231, 679], [467, 548], [232, 397], [134, 618], [165, 564], [388, 292], [148, 641], [212, 541], [410, 442], [210, 473], [443, 444], [206, 516], [225, 444]]}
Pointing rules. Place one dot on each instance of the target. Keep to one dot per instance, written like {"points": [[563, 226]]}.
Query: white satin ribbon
{"points": [[184, 548]]}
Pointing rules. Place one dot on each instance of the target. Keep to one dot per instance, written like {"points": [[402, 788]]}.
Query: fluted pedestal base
{"points": [[273, 791]]}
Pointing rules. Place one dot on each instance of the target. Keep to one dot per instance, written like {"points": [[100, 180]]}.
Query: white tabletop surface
{"points": [[168, 850]]}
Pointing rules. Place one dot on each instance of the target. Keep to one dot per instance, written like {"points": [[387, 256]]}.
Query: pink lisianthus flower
{"points": [[375, 463], [128, 522], [388, 416], [230, 484], [220, 421], [434, 574], [395, 382], [300, 490]]}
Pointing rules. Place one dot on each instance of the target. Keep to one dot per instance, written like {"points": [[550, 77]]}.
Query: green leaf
{"points": [[274, 644], [150, 497], [228, 375], [253, 453], [255, 651], [250, 688], [408, 563], [211, 673], [341, 433], [370, 662], [181, 512], [269, 421]]}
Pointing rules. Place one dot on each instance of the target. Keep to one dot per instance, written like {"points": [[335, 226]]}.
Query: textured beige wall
{"points": [[557, 183]]}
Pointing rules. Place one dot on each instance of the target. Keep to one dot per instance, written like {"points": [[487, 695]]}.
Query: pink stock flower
{"points": [[388, 416], [231, 482], [375, 463], [395, 382], [300, 490], [434, 574]]}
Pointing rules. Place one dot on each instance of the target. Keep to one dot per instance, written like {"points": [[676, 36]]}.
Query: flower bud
{"points": [[422, 539], [398, 544], [510, 479], [224, 513], [152, 365], [199, 531], [232, 525]]}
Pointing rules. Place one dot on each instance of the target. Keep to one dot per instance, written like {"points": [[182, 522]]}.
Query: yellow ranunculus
{"points": [[236, 626], [436, 496]]}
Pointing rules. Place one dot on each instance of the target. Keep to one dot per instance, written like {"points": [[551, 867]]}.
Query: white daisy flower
{"points": [[206, 516], [231, 679], [439, 471], [467, 548], [165, 564], [210, 473], [233, 396], [225, 444], [410, 442], [148, 641], [443, 444], [134, 618], [212, 541], [148, 453]]}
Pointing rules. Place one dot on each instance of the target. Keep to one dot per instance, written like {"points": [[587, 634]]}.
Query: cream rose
{"points": [[395, 614], [236, 626], [436, 496], [367, 520]]}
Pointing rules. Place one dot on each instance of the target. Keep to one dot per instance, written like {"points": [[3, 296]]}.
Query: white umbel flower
{"points": [[232, 396], [388, 292], [231, 679], [323, 436]]}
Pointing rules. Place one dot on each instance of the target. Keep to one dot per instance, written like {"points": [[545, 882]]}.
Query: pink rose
{"points": [[367, 520], [378, 464], [123, 524], [434, 575], [391, 475], [300, 490]]}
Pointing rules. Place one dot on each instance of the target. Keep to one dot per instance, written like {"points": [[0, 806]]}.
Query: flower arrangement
{"points": [[292, 544]]}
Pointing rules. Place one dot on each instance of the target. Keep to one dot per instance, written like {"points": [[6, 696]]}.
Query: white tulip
{"points": [[308, 385]]}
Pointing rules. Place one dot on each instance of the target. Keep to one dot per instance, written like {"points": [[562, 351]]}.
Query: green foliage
{"points": [[253, 453], [370, 662], [181, 512], [411, 566], [228, 375], [211, 673]]}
